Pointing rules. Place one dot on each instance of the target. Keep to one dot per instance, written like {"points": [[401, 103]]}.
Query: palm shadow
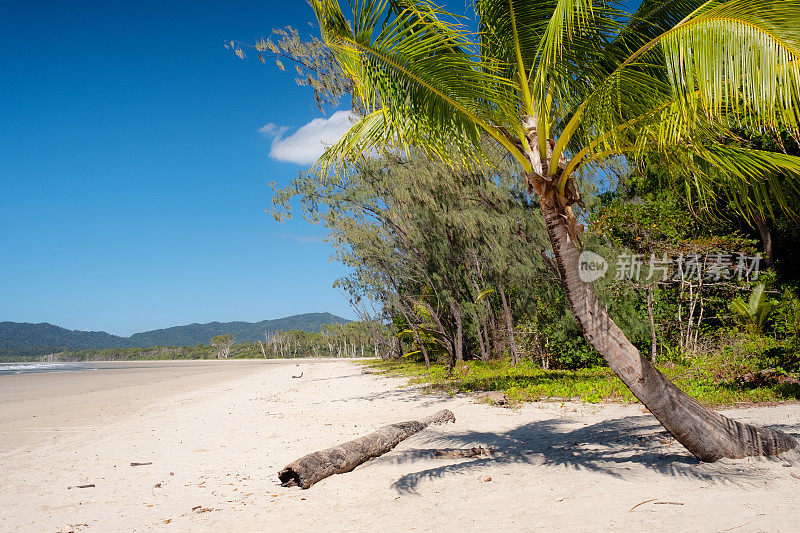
{"points": [[404, 394], [623, 448]]}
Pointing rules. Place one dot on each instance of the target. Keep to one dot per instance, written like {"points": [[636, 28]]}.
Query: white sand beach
{"points": [[217, 432]]}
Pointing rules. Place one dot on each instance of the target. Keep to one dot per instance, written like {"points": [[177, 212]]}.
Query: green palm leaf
{"points": [[422, 71], [724, 60], [741, 57], [485, 294], [756, 313]]}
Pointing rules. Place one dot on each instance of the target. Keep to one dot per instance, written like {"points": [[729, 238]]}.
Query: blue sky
{"points": [[134, 177], [135, 157]]}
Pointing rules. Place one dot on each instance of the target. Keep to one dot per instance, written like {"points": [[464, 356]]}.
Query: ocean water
{"points": [[35, 368]]}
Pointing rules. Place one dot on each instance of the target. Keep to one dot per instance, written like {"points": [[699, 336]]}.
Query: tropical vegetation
{"points": [[694, 105], [351, 339]]}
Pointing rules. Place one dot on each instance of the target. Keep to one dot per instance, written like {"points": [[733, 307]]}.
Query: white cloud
{"points": [[272, 130], [306, 144]]}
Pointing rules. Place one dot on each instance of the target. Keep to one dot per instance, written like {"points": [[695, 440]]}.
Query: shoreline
{"points": [[113, 361], [212, 444], [39, 405]]}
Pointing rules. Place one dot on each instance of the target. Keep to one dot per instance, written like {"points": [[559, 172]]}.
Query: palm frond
{"points": [[738, 306], [414, 65], [568, 18], [739, 57], [754, 314], [756, 182], [510, 34], [651, 19], [569, 61], [725, 63], [676, 77]]}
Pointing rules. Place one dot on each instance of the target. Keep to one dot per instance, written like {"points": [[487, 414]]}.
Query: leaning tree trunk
{"points": [[708, 435]]}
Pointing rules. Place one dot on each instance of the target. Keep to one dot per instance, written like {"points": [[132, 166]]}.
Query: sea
{"points": [[36, 368]]}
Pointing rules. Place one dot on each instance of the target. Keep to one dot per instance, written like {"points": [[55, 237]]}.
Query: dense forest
{"points": [[459, 271], [349, 339], [22, 339]]}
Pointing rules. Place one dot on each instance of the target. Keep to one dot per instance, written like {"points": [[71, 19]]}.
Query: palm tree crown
{"points": [[571, 83]]}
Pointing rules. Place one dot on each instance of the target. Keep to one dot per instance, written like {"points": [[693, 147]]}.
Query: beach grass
{"points": [[527, 382]]}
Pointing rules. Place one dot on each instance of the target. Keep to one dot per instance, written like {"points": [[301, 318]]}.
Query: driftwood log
{"points": [[343, 458]]}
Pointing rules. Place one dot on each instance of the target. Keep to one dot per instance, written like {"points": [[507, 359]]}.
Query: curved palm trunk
{"points": [[706, 434]]}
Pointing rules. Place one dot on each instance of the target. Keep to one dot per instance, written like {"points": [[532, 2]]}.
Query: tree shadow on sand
{"points": [[625, 448], [409, 394]]}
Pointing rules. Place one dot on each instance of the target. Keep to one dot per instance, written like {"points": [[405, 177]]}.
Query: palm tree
{"points": [[566, 86], [754, 314]]}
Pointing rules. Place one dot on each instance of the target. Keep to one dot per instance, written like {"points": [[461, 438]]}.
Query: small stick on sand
{"points": [[644, 502], [141, 464], [736, 527], [343, 458], [89, 486]]}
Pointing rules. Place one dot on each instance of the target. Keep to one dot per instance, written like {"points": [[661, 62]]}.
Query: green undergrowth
{"points": [[528, 382]]}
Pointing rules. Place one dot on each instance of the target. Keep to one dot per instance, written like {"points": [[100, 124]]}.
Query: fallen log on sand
{"points": [[343, 458]]}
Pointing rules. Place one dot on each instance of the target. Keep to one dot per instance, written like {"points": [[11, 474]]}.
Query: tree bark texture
{"points": [[343, 458]]}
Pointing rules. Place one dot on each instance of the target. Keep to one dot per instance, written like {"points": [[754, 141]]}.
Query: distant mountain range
{"points": [[41, 338]]}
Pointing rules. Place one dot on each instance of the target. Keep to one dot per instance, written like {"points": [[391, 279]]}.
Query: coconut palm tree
{"points": [[567, 86], [756, 312]]}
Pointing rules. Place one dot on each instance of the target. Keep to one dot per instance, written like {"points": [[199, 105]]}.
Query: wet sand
{"points": [[36, 409]]}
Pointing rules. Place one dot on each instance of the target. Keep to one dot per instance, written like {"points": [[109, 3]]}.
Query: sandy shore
{"points": [[47, 407], [216, 434]]}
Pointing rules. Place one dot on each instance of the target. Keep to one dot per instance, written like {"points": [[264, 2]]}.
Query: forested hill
{"points": [[20, 336], [243, 331]]}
